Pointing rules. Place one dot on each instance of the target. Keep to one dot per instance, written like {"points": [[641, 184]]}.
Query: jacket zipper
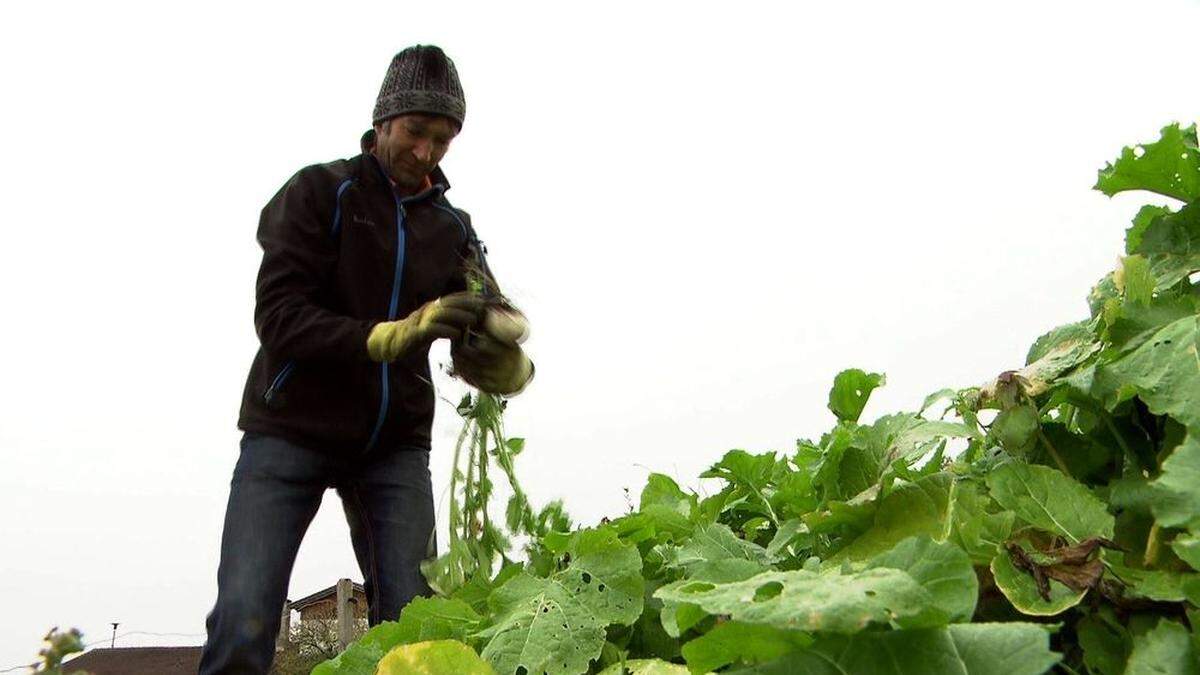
{"points": [[277, 383], [393, 309]]}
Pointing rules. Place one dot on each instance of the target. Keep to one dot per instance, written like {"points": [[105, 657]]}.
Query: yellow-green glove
{"points": [[447, 317], [490, 365]]}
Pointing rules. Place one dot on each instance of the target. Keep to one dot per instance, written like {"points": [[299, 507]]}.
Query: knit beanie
{"points": [[421, 79]]}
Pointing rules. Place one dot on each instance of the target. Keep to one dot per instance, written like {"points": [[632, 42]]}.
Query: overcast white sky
{"points": [[705, 213]]}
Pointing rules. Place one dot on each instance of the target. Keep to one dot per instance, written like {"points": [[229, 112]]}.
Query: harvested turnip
{"points": [[506, 324]]}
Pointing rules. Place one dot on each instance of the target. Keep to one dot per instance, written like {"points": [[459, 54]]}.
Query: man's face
{"points": [[410, 146]]}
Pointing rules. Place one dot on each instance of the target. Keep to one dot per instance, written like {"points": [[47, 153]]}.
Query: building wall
{"points": [[327, 608]]}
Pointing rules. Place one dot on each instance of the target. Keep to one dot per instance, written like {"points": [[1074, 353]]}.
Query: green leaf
{"points": [[1164, 372], [645, 667], [978, 526], [824, 462], [557, 624], [714, 543], [1070, 334], [902, 438], [1051, 501], [1135, 325], [364, 654], [438, 657], [1176, 499], [1171, 244], [744, 469], [911, 509], [944, 570], [940, 395], [1003, 648], [1055, 353], [1136, 280], [1088, 461], [1169, 166], [1105, 643], [851, 389], [788, 531], [421, 620], [1141, 222], [1166, 649], [1016, 429], [959, 649], [1022, 591], [436, 619], [678, 618], [662, 490], [803, 600], [794, 495], [1187, 547], [733, 642], [1104, 291], [1160, 585]]}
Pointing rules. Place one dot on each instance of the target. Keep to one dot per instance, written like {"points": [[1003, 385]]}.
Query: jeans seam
{"points": [[371, 561]]}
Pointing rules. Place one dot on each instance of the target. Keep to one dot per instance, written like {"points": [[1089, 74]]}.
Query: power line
{"points": [[143, 632]]}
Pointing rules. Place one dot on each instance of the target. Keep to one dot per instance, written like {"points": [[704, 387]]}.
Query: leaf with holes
{"points": [[1169, 166], [851, 389], [1164, 372], [557, 625], [804, 600]]}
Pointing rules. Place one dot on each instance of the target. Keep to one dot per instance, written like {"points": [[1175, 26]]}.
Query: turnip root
{"points": [[506, 324]]}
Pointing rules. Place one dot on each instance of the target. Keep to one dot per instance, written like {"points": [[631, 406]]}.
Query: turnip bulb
{"points": [[506, 324]]}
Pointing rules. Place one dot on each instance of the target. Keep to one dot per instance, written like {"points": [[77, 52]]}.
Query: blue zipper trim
{"points": [[337, 210], [394, 305], [393, 308], [277, 383]]}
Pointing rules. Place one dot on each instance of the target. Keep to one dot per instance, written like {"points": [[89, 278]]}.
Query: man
{"points": [[363, 267]]}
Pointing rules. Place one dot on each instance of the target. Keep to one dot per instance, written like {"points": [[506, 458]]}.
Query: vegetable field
{"points": [[1046, 521]]}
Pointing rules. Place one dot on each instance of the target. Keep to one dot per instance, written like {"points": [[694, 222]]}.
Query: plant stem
{"points": [[455, 512], [1053, 453], [469, 486], [1153, 546], [1112, 428]]}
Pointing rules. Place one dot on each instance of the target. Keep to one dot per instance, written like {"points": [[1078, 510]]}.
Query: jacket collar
{"points": [[373, 174]]}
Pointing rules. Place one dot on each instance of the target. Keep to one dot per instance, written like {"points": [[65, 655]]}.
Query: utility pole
{"points": [[114, 638]]}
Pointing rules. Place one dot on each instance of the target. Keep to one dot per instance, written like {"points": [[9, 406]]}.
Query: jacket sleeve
{"points": [[291, 314]]}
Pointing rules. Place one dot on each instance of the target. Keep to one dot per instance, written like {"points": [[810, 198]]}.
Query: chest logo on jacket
{"points": [[359, 220]]}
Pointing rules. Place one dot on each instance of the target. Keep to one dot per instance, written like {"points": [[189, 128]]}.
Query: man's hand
{"points": [[490, 365], [447, 317]]}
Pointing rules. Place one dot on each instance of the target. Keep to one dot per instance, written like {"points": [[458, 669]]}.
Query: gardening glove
{"points": [[446, 317], [490, 365]]}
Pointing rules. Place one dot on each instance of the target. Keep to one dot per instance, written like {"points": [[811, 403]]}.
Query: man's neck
{"points": [[407, 191], [403, 190]]}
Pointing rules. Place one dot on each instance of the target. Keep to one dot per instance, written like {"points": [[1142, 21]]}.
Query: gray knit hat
{"points": [[421, 79]]}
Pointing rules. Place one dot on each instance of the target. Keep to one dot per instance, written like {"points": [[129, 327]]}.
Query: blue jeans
{"points": [[276, 489]]}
